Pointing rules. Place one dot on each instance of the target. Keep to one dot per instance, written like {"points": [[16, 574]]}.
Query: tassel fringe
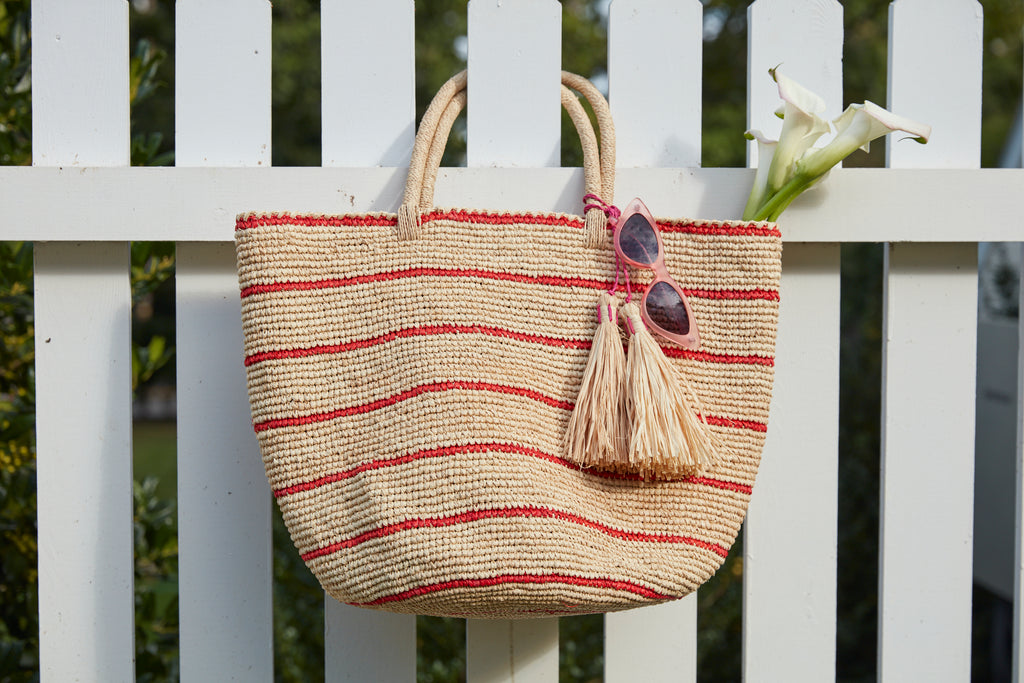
{"points": [[669, 436], [597, 432]]}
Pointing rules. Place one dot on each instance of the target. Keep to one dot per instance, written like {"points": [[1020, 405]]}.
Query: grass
{"points": [[155, 455]]}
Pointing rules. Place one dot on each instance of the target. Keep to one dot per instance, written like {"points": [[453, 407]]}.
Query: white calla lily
{"points": [[795, 165], [765, 154], [802, 125], [856, 128]]}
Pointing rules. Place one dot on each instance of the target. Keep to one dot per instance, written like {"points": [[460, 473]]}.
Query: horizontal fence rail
{"points": [[81, 204], [199, 204]]}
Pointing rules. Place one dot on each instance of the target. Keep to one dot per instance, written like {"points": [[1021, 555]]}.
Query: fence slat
{"points": [[368, 104], [928, 398], [513, 119], [83, 442], [225, 607], [789, 571], [369, 111], [652, 644], [514, 59], [657, 124], [654, 81], [83, 357]]}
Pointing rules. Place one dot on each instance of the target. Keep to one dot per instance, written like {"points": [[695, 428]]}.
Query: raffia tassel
{"points": [[596, 436], [669, 436]]}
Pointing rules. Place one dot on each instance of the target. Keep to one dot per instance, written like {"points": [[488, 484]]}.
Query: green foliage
{"points": [[15, 83], [19, 640], [296, 77], [143, 71], [581, 649], [152, 267], [298, 614], [156, 584], [440, 650]]}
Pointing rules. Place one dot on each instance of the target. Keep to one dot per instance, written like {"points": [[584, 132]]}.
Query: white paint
{"points": [[512, 651], [224, 568], [199, 204], [84, 467], [83, 357], [367, 645], [79, 83], [222, 83], [513, 114], [652, 644], [369, 111], [514, 119], [928, 363], [368, 82], [789, 570], [927, 463], [224, 558], [655, 53], [934, 77]]}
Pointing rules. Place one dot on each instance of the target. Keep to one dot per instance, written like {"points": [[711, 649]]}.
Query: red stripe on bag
{"points": [[738, 424], [548, 280], [249, 222], [335, 283], [727, 358], [515, 449], [733, 294], [747, 230], [428, 330], [411, 393], [421, 331], [462, 216], [589, 582], [461, 386], [721, 484], [511, 513]]}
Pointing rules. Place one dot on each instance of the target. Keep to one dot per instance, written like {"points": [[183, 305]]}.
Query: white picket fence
{"points": [[81, 204]]}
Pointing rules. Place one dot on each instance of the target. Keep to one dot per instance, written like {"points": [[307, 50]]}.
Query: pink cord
{"points": [[592, 201], [597, 203]]}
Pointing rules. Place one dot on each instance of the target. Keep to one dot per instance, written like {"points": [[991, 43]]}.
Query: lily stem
{"points": [[777, 203]]}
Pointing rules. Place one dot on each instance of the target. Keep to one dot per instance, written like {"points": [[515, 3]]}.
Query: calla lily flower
{"points": [[856, 128], [801, 127], [765, 154], [794, 164]]}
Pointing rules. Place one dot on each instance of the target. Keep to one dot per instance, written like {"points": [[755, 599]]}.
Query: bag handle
{"points": [[598, 163]]}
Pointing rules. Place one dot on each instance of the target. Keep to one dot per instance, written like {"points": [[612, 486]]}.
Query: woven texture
{"points": [[411, 395]]}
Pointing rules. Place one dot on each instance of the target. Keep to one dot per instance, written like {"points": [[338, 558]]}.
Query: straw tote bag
{"points": [[411, 378]]}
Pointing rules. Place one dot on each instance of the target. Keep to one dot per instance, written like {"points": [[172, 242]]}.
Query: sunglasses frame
{"points": [[690, 340]]}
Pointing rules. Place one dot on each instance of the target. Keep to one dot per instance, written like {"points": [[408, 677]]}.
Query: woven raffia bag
{"points": [[411, 378]]}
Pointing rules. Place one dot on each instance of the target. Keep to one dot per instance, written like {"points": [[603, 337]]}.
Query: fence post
{"points": [[931, 302], [83, 357], [657, 112], [789, 570], [513, 119], [222, 116], [369, 112]]}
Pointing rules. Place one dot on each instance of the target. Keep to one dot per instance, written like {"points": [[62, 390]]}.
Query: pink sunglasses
{"points": [[664, 307]]}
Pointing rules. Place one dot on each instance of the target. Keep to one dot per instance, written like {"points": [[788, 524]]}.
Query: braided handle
{"points": [[598, 161]]}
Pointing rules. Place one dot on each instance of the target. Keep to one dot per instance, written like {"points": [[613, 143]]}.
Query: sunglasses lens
{"points": [[666, 308], [638, 241]]}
